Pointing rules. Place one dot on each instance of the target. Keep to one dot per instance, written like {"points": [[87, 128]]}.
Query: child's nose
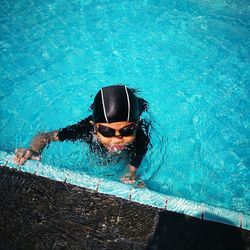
{"points": [[117, 138], [118, 135]]}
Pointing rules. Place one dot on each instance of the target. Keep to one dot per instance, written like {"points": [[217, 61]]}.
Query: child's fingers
{"points": [[127, 180], [22, 155], [16, 160], [22, 161], [18, 156], [36, 158], [19, 161], [130, 182], [20, 152]]}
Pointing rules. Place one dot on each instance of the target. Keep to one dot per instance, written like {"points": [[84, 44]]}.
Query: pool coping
{"points": [[130, 192]]}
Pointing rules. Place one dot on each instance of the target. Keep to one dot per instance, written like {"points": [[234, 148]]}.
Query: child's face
{"points": [[118, 142]]}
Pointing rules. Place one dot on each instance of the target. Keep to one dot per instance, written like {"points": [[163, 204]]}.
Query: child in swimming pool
{"points": [[114, 125]]}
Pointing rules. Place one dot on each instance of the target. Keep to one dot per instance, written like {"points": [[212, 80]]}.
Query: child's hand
{"points": [[128, 179], [24, 154]]}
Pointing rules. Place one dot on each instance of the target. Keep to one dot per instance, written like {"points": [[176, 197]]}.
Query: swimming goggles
{"points": [[110, 132]]}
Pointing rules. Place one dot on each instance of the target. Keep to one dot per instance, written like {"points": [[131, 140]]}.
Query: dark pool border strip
{"points": [[40, 213]]}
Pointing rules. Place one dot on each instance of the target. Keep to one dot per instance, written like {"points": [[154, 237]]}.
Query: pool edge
{"points": [[143, 196]]}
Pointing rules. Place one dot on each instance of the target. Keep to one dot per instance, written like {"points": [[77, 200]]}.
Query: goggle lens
{"points": [[110, 132]]}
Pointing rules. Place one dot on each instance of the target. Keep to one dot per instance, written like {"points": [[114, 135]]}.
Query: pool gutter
{"points": [[128, 192]]}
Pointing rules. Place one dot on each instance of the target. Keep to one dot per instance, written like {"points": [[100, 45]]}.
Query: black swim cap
{"points": [[115, 104]]}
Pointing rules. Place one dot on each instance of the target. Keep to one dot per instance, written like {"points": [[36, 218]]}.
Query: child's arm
{"points": [[36, 147], [80, 130], [141, 145], [130, 177]]}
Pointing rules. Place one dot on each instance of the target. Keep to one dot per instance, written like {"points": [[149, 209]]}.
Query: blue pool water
{"points": [[190, 59]]}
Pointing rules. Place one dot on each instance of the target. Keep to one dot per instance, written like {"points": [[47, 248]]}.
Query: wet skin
{"points": [[118, 143], [112, 144]]}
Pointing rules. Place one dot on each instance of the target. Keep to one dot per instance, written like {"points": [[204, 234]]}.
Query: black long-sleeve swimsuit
{"points": [[83, 130]]}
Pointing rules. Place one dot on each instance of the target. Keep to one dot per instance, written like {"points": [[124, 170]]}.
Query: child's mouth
{"points": [[116, 148]]}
